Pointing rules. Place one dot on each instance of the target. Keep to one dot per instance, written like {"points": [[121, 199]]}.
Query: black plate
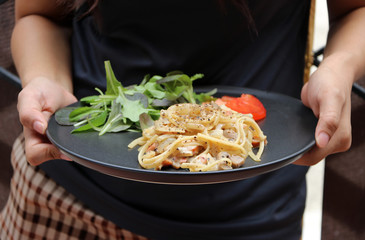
{"points": [[289, 127]]}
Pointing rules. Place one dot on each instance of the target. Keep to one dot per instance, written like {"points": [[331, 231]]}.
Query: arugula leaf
{"points": [[81, 113], [145, 121], [180, 84], [62, 116], [196, 76], [154, 91], [115, 120], [139, 97], [133, 108], [89, 99], [94, 122], [205, 97], [112, 83]]}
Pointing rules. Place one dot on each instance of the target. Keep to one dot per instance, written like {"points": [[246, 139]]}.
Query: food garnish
{"points": [[134, 107]]}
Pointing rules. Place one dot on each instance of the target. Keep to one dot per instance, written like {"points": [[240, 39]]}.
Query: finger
{"points": [[312, 157], [309, 101], [304, 95], [340, 141], [38, 149], [65, 157], [329, 118]]}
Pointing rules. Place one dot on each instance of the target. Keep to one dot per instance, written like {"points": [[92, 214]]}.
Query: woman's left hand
{"points": [[328, 94]]}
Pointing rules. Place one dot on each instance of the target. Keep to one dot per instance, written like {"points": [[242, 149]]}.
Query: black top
{"points": [[155, 37]]}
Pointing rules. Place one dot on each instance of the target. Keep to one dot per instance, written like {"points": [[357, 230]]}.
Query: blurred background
{"points": [[336, 187], [10, 127]]}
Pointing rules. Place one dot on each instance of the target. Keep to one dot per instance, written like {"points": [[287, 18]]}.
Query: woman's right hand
{"points": [[38, 100]]}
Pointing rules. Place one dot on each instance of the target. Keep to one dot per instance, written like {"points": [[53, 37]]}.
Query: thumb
{"points": [[31, 113], [39, 126]]}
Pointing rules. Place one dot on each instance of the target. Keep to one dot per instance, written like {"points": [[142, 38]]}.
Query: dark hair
{"points": [[69, 6], [241, 5]]}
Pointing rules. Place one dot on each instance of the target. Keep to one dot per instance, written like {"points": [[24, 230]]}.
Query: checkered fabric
{"points": [[38, 208]]}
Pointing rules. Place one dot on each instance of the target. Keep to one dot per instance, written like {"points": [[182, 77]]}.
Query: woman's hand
{"points": [[328, 91], [40, 47], [38, 100], [328, 94]]}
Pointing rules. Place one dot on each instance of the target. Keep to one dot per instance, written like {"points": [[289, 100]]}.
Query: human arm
{"points": [[41, 53], [328, 91]]}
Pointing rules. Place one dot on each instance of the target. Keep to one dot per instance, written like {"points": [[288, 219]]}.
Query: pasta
{"points": [[203, 137]]}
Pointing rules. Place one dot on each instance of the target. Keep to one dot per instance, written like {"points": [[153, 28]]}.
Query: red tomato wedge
{"points": [[227, 98], [245, 104]]}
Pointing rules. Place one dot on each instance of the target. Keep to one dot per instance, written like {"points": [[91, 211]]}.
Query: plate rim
{"points": [[171, 174]]}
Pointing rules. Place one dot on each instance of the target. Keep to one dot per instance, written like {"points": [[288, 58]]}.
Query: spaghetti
{"points": [[200, 138]]}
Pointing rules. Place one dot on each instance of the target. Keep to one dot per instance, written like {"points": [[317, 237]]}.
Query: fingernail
{"points": [[39, 127], [323, 139]]}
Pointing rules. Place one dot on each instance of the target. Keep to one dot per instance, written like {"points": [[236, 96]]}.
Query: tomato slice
{"points": [[227, 98], [246, 104]]}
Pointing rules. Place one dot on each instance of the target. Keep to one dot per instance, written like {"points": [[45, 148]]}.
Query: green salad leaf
{"points": [[134, 107]]}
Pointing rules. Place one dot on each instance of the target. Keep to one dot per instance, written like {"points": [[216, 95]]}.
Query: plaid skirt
{"points": [[39, 208]]}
